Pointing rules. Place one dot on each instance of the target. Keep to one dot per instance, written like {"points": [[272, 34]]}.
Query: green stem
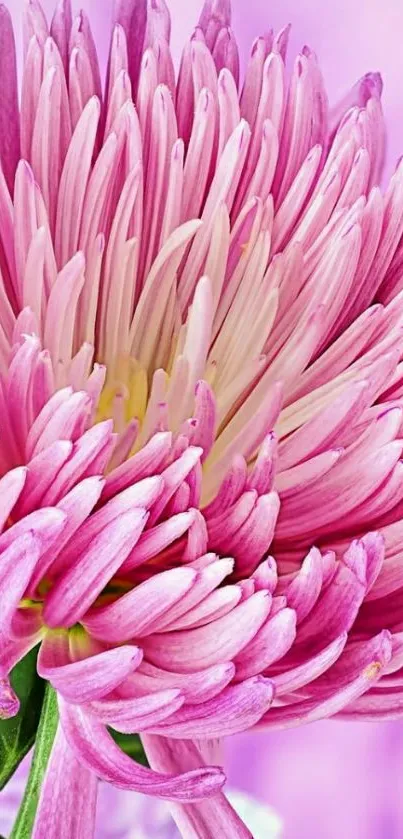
{"points": [[43, 747]]}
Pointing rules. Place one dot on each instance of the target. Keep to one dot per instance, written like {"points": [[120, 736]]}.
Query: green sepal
{"points": [[17, 734], [131, 745], [43, 747]]}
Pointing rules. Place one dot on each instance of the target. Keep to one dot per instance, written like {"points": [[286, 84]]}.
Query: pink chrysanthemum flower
{"points": [[200, 353]]}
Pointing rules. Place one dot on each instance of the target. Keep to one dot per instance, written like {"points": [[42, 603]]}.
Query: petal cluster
{"points": [[201, 380]]}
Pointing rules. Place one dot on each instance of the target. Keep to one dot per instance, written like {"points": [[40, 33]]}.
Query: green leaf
{"points": [[18, 733], [43, 747], [131, 745]]}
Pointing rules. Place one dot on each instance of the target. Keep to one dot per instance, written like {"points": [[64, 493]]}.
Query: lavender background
{"points": [[332, 779]]}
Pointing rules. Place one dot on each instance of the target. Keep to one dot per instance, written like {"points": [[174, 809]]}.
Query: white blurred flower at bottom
{"points": [[127, 815], [262, 820]]}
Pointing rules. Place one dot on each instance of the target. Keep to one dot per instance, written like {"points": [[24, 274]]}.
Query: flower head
{"points": [[200, 343]]}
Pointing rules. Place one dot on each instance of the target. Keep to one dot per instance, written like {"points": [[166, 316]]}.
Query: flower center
{"points": [[125, 394]]}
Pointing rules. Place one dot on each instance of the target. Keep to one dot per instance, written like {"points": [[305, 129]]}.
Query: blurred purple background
{"points": [[331, 779]]}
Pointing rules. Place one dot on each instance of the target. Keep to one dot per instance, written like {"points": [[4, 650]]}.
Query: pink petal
{"points": [[76, 506], [135, 613], [11, 486], [211, 572], [69, 599], [132, 715], [157, 538], [61, 28], [9, 122], [85, 455], [9, 702], [90, 678], [132, 16], [304, 590], [173, 476], [17, 563], [270, 644], [68, 796], [42, 472], [196, 687], [26, 631], [296, 677], [359, 678], [193, 820], [218, 641], [146, 462], [214, 606], [95, 748], [235, 709]]}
